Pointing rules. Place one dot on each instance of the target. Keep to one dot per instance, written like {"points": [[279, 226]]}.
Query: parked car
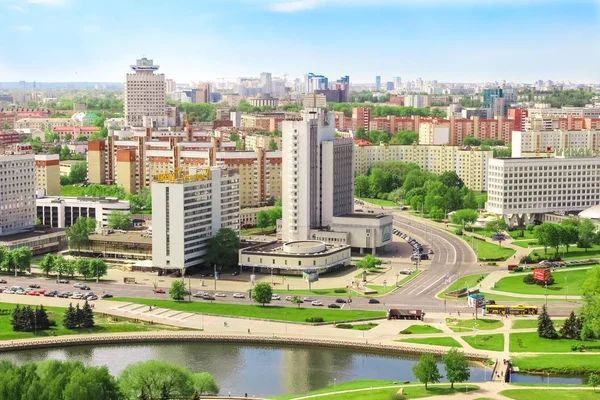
{"points": [[63, 281], [3, 281], [373, 301], [52, 293], [238, 295], [107, 296], [92, 298], [34, 293], [219, 294], [275, 297], [159, 291], [21, 291], [289, 298], [199, 294], [77, 296], [34, 286], [65, 295], [309, 299], [316, 303], [341, 301], [208, 297], [78, 285], [333, 305], [87, 295]]}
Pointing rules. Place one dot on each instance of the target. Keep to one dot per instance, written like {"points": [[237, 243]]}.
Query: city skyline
{"points": [[433, 39]]}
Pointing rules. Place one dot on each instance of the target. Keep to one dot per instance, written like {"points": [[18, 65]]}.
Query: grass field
{"points": [[493, 342], [554, 394], [412, 391], [531, 342], [434, 341], [533, 323], [468, 325], [364, 327], [575, 253], [575, 364], [379, 202], [463, 282], [526, 244], [273, 312], [515, 284], [420, 329], [381, 290], [487, 250], [516, 234], [314, 292], [103, 325], [256, 231]]}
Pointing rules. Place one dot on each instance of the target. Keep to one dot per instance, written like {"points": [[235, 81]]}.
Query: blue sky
{"points": [[447, 40]]}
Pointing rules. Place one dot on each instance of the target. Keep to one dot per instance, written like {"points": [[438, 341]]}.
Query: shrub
{"points": [[397, 396], [340, 291], [405, 332], [314, 319], [528, 279], [459, 231], [518, 269], [344, 326], [578, 347]]}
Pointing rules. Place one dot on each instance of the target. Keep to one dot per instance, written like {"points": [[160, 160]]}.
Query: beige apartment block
{"points": [[47, 173]]}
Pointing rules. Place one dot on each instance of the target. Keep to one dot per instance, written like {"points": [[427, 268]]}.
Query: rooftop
{"points": [[363, 216], [142, 237]]}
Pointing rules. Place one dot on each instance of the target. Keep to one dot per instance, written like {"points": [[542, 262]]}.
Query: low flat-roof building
{"points": [[130, 245], [40, 242], [62, 212]]}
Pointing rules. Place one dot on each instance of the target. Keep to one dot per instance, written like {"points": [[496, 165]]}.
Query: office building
{"points": [[191, 209], [489, 95], [62, 212], [266, 82], [170, 86], [518, 115], [389, 85], [377, 83], [397, 82], [314, 82], [361, 118], [202, 93], [314, 101], [469, 164], [144, 94], [522, 189], [536, 142], [47, 174], [17, 193], [263, 100], [316, 174]]}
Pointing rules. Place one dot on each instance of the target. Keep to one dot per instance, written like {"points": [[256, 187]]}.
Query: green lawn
{"points": [[378, 202], [413, 390], [489, 251], [575, 253], [434, 341], [493, 342], [553, 394], [515, 284], [256, 231], [381, 290], [364, 327], [463, 282], [468, 325], [274, 312], [533, 323], [526, 244], [531, 342], [314, 292], [420, 329], [574, 364], [481, 231], [407, 278], [516, 234], [103, 325]]}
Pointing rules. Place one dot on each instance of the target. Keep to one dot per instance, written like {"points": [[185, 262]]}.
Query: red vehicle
{"points": [[43, 291], [33, 293], [160, 291]]}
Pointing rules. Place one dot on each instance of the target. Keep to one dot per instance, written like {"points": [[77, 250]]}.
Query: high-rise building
{"points": [[201, 94], [361, 117], [389, 85], [314, 82], [266, 82], [144, 93], [377, 83], [397, 82], [317, 175], [191, 209], [489, 95], [47, 173], [17, 193], [170, 86]]}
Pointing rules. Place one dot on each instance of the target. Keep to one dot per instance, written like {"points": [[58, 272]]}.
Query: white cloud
{"points": [[15, 7], [47, 2], [22, 28], [293, 6]]}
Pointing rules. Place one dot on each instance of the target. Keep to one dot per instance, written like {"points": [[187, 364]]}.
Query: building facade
{"points": [[549, 141], [144, 94], [263, 100], [193, 207], [47, 174], [361, 118], [17, 193], [62, 212]]}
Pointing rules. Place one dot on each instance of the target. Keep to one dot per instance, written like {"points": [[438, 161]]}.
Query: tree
{"points": [[78, 172], [451, 179], [273, 145], [155, 378], [86, 318], [262, 293], [119, 220], [21, 258], [426, 370], [71, 267], [98, 268], [70, 318], [222, 249], [497, 225], [262, 219], [140, 201], [368, 263], [177, 290], [91, 383], [361, 186], [594, 380], [590, 312], [77, 234], [545, 325], [457, 367], [204, 383], [470, 201], [50, 137], [547, 235], [586, 234], [61, 265], [569, 235], [68, 136], [471, 141], [436, 214], [81, 138], [360, 134], [65, 153], [274, 214], [464, 217], [570, 329], [41, 318], [405, 138], [83, 267]]}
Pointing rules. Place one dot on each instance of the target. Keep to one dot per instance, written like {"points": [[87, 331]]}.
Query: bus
{"points": [[519, 309]]}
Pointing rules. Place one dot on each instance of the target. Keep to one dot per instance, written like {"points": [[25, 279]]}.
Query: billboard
{"points": [[386, 233], [310, 276], [541, 274]]}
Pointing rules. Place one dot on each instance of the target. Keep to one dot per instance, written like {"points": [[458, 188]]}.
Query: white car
{"points": [[317, 304], [78, 285], [219, 294], [7, 291], [275, 297], [20, 291], [199, 294], [238, 295], [76, 296], [289, 298]]}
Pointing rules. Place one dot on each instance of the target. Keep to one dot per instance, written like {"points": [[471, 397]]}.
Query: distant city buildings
{"points": [[377, 83]]}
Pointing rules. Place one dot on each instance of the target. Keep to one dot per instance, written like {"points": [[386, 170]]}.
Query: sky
{"points": [[198, 40]]}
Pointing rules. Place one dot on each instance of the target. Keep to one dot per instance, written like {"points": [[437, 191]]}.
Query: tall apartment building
{"points": [[551, 141], [525, 187], [377, 83], [317, 174], [202, 93], [266, 82], [518, 115], [314, 101], [191, 209], [581, 112], [170, 86], [361, 118], [47, 174], [470, 165], [17, 193], [144, 94], [540, 122], [452, 131]]}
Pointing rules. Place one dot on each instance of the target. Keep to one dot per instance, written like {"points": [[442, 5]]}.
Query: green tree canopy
{"points": [[465, 217], [78, 172], [426, 369], [368, 263], [177, 290], [222, 249], [456, 366], [545, 325], [78, 233], [119, 220], [262, 293]]}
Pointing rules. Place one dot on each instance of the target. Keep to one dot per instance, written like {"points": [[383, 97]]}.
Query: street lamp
{"points": [[397, 278], [546, 286]]}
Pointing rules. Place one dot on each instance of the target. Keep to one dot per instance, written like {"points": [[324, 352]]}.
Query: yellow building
{"points": [[470, 165], [47, 173]]}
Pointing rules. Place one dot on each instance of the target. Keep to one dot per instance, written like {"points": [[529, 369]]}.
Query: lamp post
{"points": [[546, 286], [397, 278]]}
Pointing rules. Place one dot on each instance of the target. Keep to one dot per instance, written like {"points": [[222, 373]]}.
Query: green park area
{"points": [[562, 280], [574, 253], [530, 342], [533, 323], [420, 329], [433, 341], [567, 364], [378, 389], [469, 281], [379, 202], [491, 342], [554, 394], [257, 231], [269, 312], [470, 325], [103, 324], [487, 251]]}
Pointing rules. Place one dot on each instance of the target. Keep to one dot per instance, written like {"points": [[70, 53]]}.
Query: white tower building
{"points": [[17, 193], [145, 94]]}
